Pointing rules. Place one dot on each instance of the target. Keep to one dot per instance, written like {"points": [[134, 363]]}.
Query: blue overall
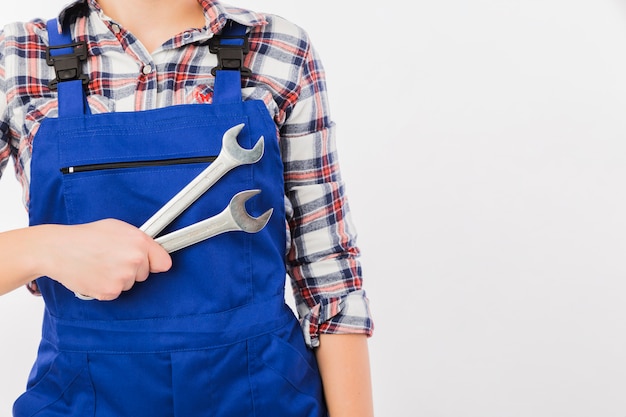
{"points": [[212, 336]]}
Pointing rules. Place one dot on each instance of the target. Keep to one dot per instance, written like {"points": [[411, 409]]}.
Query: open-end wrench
{"points": [[233, 218], [231, 156]]}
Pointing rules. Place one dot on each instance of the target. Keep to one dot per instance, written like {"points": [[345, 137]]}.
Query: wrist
{"points": [[43, 241]]}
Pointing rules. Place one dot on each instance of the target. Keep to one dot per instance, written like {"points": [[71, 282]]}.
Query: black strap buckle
{"points": [[230, 57], [68, 67]]}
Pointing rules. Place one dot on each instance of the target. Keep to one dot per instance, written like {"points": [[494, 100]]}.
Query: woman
{"points": [[109, 112]]}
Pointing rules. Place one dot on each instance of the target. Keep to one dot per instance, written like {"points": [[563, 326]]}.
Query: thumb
{"points": [[159, 259]]}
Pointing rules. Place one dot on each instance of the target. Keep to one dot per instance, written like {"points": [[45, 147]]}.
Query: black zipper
{"points": [[137, 164]]}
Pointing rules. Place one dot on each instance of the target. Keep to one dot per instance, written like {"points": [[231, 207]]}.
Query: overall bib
{"points": [[212, 336]]}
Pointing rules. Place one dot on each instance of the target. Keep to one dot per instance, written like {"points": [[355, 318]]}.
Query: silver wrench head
{"points": [[240, 215], [236, 152]]}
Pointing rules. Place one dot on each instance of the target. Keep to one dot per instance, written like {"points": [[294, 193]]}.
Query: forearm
{"points": [[21, 255], [344, 365], [99, 259]]}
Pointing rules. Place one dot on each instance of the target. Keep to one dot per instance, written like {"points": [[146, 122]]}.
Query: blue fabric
{"points": [[228, 82], [210, 337], [224, 92], [72, 100]]}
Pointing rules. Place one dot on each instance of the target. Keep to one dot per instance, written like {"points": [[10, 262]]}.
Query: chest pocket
{"points": [[128, 170]]}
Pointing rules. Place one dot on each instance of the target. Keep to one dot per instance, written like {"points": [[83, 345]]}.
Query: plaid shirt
{"points": [[286, 75]]}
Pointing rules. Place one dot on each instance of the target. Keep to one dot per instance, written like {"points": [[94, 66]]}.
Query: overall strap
{"points": [[230, 46], [67, 57]]}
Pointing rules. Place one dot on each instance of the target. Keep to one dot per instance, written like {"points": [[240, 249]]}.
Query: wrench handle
{"points": [[197, 232], [190, 193]]}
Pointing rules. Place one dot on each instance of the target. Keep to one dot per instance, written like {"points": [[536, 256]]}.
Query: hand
{"points": [[103, 258]]}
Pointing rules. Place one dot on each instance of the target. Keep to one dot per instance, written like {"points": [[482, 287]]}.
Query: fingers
{"points": [[149, 257], [158, 258], [104, 258]]}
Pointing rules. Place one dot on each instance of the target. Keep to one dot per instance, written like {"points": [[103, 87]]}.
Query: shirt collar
{"points": [[216, 14]]}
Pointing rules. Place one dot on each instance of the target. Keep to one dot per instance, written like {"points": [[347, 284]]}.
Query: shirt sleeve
{"points": [[323, 255], [8, 142], [5, 143]]}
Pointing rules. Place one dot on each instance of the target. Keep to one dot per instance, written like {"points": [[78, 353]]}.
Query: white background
{"points": [[483, 143]]}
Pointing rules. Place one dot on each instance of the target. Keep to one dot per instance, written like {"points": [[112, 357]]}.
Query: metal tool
{"points": [[231, 156], [233, 218]]}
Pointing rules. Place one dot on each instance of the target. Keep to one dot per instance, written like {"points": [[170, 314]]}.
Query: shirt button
{"points": [[187, 36], [147, 69], [116, 29]]}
